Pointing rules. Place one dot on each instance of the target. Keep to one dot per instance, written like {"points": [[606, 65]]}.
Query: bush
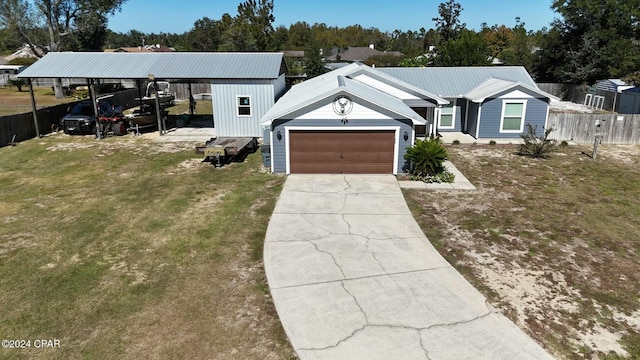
{"points": [[456, 142], [537, 146], [443, 177], [426, 157], [564, 143], [492, 142]]}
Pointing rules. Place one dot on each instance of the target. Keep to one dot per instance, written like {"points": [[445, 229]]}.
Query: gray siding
{"points": [[278, 148], [536, 114], [472, 120], [227, 122]]}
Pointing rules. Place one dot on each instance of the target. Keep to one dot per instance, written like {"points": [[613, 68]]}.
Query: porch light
{"points": [[279, 135], [406, 135]]}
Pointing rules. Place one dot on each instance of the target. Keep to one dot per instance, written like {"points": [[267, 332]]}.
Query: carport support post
{"points": [[33, 106], [158, 113], [94, 101]]}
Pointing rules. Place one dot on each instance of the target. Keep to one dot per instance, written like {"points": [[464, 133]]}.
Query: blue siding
{"points": [[278, 148], [536, 114], [227, 122], [472, 120]]}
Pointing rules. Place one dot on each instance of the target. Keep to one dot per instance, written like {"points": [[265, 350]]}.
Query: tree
{"points": [[469, 49], [594, 39], [206, 35], [448, 24], [256, 18], [313, 60], [60, 18]]}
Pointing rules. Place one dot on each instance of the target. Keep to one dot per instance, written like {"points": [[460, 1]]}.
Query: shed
{"points": [[243, 85]]}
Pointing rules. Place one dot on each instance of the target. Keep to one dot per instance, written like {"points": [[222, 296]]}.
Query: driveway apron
{"points": [[353, 276]]}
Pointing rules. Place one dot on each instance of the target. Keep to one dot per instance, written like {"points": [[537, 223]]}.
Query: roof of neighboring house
{"points": [[494, 86], [129, 49], [314, 90], [613, 85], [454, 82], [177, 65], [25, 52], [361, 54], [294, 53]]}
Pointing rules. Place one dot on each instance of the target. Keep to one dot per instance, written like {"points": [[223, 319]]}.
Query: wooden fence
{"points": [[581, 128], [22, 126]]}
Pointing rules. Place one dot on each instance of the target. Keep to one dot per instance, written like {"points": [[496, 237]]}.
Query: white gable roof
{"points": [[493, 86]]}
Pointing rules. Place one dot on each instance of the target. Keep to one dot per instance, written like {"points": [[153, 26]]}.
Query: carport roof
{"points": [[179, 65]]}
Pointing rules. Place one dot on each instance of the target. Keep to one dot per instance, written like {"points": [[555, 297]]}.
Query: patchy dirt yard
{"points": [[554, 244]]}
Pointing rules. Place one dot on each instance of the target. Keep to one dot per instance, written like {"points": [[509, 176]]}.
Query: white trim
{"points": [[396, 146], [453, 115], [522, 118], [238, 106], [546, 119], [271, 151], [478, 121]]}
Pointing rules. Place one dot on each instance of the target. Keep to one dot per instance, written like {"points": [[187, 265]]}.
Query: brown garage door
{"points": [[337, 152]]}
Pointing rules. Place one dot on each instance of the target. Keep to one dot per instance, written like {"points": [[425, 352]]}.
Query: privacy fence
{"points": [[582, 128]]}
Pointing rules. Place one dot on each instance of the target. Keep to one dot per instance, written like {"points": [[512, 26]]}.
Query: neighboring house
{"points": [[358, 119], [25, 52], [360, 54], [244, 86], [146, 48]]}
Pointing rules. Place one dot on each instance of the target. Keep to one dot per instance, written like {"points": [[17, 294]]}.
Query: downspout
{"points": [[33, 107]]}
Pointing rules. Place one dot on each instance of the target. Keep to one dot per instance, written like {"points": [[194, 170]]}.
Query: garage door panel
{"points": [[356, 152]]}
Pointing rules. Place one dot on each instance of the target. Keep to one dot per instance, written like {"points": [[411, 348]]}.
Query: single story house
{"points": [[358, 119], [244, 86]]}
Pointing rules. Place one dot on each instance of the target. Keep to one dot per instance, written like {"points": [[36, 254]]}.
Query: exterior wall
{"points": [[280, 86], [224, 95], [460, 110], [472, 120], [279, 147], [491, 114]]}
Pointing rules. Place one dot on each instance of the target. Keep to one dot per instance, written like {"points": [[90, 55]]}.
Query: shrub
{"points": [[456, 142], [537, 146], [442, 177], [564, 143], [492, 142], [426, 157]]}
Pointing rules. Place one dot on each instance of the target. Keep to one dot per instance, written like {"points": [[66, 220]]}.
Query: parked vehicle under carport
{"points": [[81, 119]]}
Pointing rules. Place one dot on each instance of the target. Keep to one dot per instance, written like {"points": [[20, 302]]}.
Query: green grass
{"points": [[568, 217], [124, 249]]}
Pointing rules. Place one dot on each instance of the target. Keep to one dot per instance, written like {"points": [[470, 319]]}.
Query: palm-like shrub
{"points": [[537, 146], [426, 157]]}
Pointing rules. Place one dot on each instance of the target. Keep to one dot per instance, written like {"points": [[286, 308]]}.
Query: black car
{"points": [[81, 118]]}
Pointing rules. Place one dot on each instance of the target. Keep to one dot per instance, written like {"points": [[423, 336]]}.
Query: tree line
{"points": [[589, 40]]}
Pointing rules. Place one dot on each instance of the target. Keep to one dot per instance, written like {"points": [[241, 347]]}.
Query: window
{"points": [[513, 116], [447, 115], [244, 106]]}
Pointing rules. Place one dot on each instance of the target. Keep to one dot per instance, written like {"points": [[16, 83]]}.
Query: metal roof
{"points": [[494, 86], [328, 85], [178, 65], [454, 82]]}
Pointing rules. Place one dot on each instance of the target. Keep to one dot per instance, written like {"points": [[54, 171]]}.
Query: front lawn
{"points": [[130, 249]]}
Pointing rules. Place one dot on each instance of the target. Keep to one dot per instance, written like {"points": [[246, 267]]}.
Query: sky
{"points": [[171, 16]]}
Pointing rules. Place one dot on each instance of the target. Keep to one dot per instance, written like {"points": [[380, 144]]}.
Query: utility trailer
{"points": [[223, 150]]}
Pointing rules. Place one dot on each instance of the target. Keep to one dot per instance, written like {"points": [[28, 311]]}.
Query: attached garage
{"points": [[334, 124], [342, 152]]}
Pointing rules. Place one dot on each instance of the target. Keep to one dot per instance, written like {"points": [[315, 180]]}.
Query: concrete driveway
{"points": [[352, 276]]}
